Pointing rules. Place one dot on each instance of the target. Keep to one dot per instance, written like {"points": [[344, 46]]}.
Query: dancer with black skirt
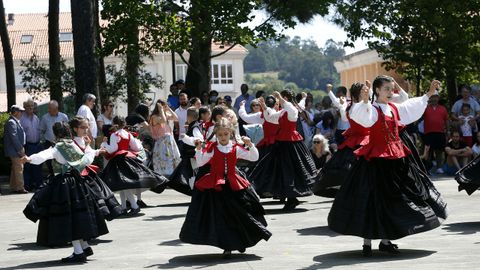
{"points": [[384, 196], [287, 170], [225, 211], [336, 169], [67, 209], [125, 172]]}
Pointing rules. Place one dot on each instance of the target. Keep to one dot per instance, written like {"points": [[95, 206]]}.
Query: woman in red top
{"points": [[225, 211], [125, 171], [336, 169], [384, 195], [288, 170]]}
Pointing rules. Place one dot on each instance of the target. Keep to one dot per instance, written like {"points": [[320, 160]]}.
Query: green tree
{"points": [[117, 82], [191, 26], [36, 78], [422, 39]]}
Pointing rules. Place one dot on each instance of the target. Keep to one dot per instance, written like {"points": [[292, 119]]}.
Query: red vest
{"points": [[288, 129], [270, 131], [355, 135], [222, 171], [123, 147], [385, 141]]}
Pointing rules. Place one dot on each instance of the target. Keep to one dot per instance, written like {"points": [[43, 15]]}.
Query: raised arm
{"points": [[252, 118]]}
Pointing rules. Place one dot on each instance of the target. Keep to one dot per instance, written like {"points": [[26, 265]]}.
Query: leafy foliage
{"points": [[36, 80], [116, 86], [422, 39], [299, 61]]}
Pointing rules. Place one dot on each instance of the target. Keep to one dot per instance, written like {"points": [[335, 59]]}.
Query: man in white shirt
{"points": [[181, 112], [86, 111]]}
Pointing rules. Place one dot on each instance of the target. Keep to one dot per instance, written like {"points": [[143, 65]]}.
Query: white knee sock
{"points": [[77, 247], [367, 242], [131, 199], [123, 199], [139, 194], [84, 244], [385, 241]]}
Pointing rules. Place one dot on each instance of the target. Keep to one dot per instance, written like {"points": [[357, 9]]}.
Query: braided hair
{"points": [[378, 82], [355, 91]]}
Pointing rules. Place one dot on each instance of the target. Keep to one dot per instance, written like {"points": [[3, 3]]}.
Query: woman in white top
{"points": [[67, 209], [104, 120]]}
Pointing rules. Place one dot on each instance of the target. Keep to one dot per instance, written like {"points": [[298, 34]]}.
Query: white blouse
{"points": [[252, 118], [134, 144], [53, 153], [409, 111], [81, 142], [273, 116], [190, 140], [203, 158]]}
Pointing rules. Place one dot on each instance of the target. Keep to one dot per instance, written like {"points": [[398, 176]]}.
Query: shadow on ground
{"points": [[165, 217], [462, 228], [318, 230], [174, 204], [280, 211], [172, 243], [204, 260], [34, 265], [354, 258], [26, 246]]}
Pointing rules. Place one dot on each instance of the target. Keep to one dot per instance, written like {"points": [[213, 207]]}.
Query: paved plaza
{"points": [[301, 240]]}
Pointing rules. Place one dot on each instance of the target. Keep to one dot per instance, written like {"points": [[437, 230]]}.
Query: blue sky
{"points": [[319, 29]]}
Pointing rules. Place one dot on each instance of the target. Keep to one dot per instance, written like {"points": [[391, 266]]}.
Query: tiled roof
{"points": [[36, 24]]}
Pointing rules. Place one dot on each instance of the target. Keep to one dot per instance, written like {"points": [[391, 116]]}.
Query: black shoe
{"points": [[88, 252], [242, 250], [134, 211], [75, 258], [291, 204], [227, 254], [367, 251], [141, 204], [128, 205], [390, 248]]}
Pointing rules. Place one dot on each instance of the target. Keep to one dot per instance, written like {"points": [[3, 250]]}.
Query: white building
{"points": [[29, 35]]}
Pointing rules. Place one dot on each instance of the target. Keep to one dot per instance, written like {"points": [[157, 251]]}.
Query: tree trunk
{"points": [[8, 56], [198, 72], [54, 53], [102, 79], [84, 44], [132, 67], [451, 79]]}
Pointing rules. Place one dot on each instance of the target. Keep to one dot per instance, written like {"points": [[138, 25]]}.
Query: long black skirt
{"points": [[468, 177], [386, 199], [286, 171], [179, 179], [67, 211], [334, 172], [225, 219], [104, 197], [123, 172], [414, 157]]}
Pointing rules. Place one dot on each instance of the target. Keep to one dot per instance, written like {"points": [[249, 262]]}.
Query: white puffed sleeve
{"points": [[251, 154], [401, 97], [202, 157], [43, 156], [364, 114], [113, 146], [271, 115], [335, 100], [291, 110], [135, 144], [252, 118], [412, 109]]}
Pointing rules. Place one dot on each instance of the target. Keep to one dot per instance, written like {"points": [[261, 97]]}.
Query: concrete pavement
{"points": [[301, 240]]}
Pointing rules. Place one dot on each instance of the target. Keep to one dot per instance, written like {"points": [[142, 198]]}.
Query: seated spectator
{"points": [[458, 154], [326, 127], [476, 146], [320, 151], [467, 123]]}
